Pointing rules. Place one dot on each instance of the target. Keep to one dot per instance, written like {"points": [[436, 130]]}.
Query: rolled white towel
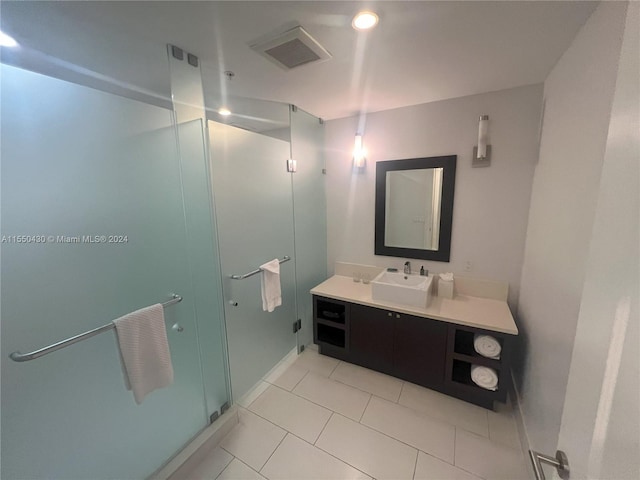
{"points": [[487, 346], [484, 377]]}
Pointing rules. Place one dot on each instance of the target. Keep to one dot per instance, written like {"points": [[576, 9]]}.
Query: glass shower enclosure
{"points": [[93, 227], [114, 198]]}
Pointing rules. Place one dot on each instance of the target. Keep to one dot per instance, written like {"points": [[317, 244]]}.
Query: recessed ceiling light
{"points": [[7, 41], [225, 112], [364, 21]]}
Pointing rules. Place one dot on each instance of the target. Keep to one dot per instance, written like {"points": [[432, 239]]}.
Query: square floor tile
{"points": [[430, 468], [253, 440], [320, 364], [296, 459], [487, 459], [295, 414], [341, 398], [291, 377], [451, 410], [427, 434], [239, 471], [376, 383], [369, 451]]}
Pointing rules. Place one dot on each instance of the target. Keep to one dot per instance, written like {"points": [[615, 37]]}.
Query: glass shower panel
{"points": [[202, 251], [204, 264], [253, 204], [80, 163], [310, 213]]}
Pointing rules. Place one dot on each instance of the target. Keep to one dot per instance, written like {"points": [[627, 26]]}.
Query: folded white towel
{"points": [[484, 377], [487, 346], [144, 351], [270, 285]]}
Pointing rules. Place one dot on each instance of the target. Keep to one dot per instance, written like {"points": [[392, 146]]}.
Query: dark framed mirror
{"points": [[414, 207]]}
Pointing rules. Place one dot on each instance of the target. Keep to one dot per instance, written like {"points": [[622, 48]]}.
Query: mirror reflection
{"points": [[412, 213]]}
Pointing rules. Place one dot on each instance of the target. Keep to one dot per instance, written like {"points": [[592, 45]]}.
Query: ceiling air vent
{"points": [[291, 49]]}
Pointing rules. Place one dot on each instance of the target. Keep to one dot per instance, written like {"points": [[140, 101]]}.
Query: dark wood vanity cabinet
{"points": [[432, 353], [405, 346], [372, 338], [420, 347]]}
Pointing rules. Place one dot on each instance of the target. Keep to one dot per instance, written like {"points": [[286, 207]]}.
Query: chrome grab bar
{"points": [[25, 357], [286, 258], [560, 461]]}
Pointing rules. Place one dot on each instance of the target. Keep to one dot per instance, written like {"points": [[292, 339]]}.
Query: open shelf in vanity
{"points": [[416, 345], [461, 356]]}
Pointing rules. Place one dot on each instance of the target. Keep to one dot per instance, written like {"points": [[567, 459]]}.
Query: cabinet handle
{"points": [[397, 315], [389, 314]]}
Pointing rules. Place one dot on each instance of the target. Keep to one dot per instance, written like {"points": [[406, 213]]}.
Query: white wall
{"points": [[603, 393], [490, 205], [578, 98]]}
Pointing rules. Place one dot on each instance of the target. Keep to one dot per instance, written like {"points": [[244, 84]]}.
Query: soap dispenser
{"points": [[422, 271]]}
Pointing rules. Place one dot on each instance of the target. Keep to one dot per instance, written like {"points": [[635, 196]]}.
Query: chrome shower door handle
{"points": [[561, 462]]}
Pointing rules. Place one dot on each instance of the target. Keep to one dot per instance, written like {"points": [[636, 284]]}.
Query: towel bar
{"points": [[286, 258], [25, 357]]}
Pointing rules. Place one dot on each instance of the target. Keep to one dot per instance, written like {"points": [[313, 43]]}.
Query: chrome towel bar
{"points": [[286, 258], [24, 357]]}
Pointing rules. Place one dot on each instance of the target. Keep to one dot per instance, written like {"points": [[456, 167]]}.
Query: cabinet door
{"points": [[420, 350], [371, 338]]}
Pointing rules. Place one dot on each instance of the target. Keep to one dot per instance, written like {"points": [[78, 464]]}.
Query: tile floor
{"points": [[329, 420]]}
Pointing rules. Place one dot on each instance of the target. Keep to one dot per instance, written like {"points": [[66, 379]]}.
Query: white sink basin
{"points": [[396, 287]]}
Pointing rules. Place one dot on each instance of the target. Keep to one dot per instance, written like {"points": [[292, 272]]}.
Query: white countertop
{"points": [[466, 310]]}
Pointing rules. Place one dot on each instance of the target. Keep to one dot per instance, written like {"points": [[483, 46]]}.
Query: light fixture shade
{"points": [[359, 154], [483, 131]]}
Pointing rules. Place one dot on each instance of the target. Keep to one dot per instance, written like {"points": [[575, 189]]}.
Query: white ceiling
{"points": [[421, 51]]}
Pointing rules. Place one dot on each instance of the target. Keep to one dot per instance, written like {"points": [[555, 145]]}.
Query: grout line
{"points": [[332, 455], [455, 441], [233, 457], [298, 382], [274, 451], [323, 428], [324, 406], [365, 408], [385, 434], [334, 368], [415, 465]]}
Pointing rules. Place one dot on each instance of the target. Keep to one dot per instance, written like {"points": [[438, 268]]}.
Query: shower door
{"points": [[254, 212], [93, 227]]}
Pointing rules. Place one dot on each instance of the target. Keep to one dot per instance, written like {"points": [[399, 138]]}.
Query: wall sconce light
{"points": [[482, 153], [359, 153]]}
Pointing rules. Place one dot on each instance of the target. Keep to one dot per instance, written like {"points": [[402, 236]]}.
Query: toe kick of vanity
{"points": [[432, 346]]}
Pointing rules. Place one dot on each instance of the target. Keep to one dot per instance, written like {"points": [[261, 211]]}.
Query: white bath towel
{"points": [[270, 285], [487, 346], [144, 351], [484, 377]]}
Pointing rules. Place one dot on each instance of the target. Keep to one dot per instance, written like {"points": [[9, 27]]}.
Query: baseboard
{"points": [[194, 453], [516, 405], [255, 391]]}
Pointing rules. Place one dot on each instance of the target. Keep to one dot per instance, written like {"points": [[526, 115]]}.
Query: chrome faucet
{"points": [[407, 268]]}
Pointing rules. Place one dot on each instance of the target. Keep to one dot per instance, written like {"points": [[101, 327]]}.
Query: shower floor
{"points": [[326, 419]]}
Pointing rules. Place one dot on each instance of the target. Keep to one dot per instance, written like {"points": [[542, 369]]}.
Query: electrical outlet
{"points": [[468, 265]]}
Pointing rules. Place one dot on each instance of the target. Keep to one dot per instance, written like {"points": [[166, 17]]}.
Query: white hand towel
{"points": [[484, 377], [487, 346], [270, 285], [144, 351]]}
